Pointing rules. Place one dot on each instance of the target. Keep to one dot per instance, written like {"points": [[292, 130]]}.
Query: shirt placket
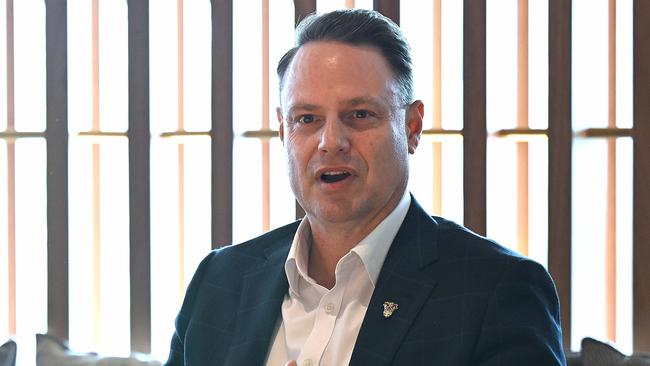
{"points": [[329, 309]]}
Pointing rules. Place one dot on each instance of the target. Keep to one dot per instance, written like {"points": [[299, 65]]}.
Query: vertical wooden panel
{"points": [[96, 284], [266, 143], [11, 235], [139, 176], [180, 102], [641, 175], [559, 150], [57, 166], [436, 109], [522, 122], [301, 10], [474, 125], [180, 159], [222, 119], [610, 230], [390, 8], [11, 173]]}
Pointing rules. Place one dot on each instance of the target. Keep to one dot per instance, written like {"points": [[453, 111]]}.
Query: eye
{"points": [[360, 114], [306, 119]]}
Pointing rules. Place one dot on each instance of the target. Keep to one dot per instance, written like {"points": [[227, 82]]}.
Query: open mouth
{"points": [[333, 177]]}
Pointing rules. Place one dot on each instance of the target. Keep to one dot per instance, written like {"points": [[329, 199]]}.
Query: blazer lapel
{"points": [[400, 282], [263, 291]]}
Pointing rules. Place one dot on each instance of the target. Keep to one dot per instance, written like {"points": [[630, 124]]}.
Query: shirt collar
{"points": [[296, 264], [372, 249]]}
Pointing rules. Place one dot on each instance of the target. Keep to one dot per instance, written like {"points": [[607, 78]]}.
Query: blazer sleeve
{"points": [[522, 320], [177, 348]]}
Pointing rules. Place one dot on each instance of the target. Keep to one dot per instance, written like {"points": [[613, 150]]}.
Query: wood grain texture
{"points": [[56, 134], [389, 8], [559, 150], [474, 115], [641, 176], [302, 8], [222, 123], [139, 176]]}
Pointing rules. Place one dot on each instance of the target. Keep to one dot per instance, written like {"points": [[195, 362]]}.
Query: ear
{"points": [[278, 112], [414, 115]]}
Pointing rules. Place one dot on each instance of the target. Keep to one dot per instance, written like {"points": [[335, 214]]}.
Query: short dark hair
{"points": [[358, 27]]}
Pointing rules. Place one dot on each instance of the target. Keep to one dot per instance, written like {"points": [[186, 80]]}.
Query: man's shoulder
{"points": [[266, 241], [452, 240], [458, 240], [257, 248]]}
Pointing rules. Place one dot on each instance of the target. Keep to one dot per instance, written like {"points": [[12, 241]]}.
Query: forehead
{"points": [[322, 70]]}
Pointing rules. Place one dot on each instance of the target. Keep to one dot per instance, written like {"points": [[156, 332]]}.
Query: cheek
{"points": [[293, 159], [392, 155], [297, 153]]}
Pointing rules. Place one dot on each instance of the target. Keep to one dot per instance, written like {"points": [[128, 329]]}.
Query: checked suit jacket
{"points": [[463, 300]]}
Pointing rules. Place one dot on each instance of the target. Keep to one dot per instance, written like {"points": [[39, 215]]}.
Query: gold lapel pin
{"points": [[389, 308]]}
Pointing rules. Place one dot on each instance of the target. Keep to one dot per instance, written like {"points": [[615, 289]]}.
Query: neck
{"points": [[331, 241], [327, 248]]}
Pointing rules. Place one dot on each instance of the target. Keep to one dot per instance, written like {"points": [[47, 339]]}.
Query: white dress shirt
{"points": [[320, 326]]}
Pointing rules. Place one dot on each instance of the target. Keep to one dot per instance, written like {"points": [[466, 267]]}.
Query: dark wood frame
{"points": [[302, 8], [389, 8], [474, 116], [139, 176], [56, 135], [560, 137], [222, 123], [641, 235]]}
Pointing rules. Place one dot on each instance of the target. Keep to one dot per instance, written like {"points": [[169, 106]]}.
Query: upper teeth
{"points": [[334, 173]]}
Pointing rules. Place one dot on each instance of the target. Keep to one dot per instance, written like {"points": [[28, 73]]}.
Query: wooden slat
{"points": [[641, 175], [474, 125], [559, 150], [266, 117], [605, 132], [301, 10], [610, 229], [96, 246], [222, 122], [11, 236], [180, 149], [389, 8], [57, 166], [11, 173], [180, 250], [436, 109], [95, 181], [522, 122], [139, 176]]}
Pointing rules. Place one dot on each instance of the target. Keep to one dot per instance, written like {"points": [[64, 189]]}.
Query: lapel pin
{"points": [[389, 308]]}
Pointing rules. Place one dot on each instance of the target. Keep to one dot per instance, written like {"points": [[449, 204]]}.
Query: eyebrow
{"points": [[352, 102], [302, 106], [360, 100]]}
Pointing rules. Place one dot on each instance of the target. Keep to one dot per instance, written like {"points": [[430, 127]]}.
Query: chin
{"points": [[334, 213]]}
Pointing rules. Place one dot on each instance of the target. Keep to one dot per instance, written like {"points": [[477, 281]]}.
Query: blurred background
{"points": [[136, 136]]}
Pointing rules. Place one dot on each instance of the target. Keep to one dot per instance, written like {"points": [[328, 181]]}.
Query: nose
{"points": [[334, 137]]}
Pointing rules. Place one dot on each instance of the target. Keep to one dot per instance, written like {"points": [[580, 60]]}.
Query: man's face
{"points": [[346, 132]]}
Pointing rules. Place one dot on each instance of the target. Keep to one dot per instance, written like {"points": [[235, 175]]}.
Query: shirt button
{"points": [[307, 362], [329, 308]]}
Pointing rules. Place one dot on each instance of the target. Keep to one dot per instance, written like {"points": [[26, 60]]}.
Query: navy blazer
{"points": [[463, 300]]}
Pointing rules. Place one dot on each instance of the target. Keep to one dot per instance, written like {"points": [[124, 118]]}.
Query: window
{"points": [[153, 138]]}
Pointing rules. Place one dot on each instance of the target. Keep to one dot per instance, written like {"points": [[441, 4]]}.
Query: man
{"points": [[367, 277]]}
